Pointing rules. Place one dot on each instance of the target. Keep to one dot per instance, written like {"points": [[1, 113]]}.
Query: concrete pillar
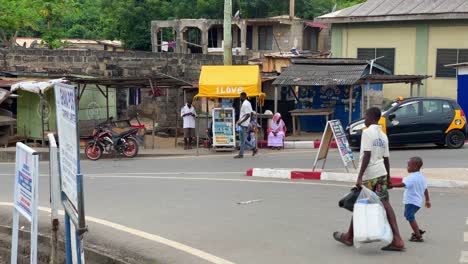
{"points": [[181, 45], [204, 33], [154, 38], [179, 40], [243, 38], [235, 36], [255, 38], [220, 37]]}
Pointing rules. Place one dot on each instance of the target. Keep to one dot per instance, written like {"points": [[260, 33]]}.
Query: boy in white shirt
{"points": [[415, 191]]}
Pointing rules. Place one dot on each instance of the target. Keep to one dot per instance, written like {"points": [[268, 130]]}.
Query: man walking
{"points": [[374, 173], [243, 123], [188, 114]]}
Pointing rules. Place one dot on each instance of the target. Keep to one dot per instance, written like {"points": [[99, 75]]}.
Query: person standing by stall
{"points": [[188, 114], [243, 123]]}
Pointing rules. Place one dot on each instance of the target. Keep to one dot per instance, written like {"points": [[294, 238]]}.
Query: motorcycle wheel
{"points": [[131, 148], [93, 152]]}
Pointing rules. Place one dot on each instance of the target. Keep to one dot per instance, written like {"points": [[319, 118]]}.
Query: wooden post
{"points": [[362, 100], [154, 112], [177, 118], [350, 104], [42, 103], [276, 100], [419, 89], [107, 102], [411, 90], [154, 120]]}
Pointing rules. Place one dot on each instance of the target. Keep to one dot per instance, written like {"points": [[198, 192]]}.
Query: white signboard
{"points": [[334, 129], [25, 197], [65, 100]]}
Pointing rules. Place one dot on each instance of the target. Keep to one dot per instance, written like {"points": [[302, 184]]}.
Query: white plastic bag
{"points": [[370, 220]]}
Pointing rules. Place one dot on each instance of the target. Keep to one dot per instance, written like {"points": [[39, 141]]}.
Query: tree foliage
{"points": [[130, 20]]}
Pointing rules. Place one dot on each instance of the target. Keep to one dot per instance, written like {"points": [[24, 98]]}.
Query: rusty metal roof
{"points": [[399, 10], [319, 75], [156, 80]]}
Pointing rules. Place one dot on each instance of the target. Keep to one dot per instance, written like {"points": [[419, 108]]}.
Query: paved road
{"points": [[194, 201]]}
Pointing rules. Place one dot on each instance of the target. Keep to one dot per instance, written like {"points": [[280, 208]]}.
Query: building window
{"points": [[249, 37], [449, 56], [388, 54], [265, 37]]}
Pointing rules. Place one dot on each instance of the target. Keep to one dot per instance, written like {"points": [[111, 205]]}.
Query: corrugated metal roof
{"points": [[397, 10], [319, 75]]}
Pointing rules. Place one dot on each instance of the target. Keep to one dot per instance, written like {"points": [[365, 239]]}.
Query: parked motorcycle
{"points": [[106, 140]]}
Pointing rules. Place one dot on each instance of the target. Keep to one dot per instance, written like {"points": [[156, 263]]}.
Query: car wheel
{"points": [[455, 139]]}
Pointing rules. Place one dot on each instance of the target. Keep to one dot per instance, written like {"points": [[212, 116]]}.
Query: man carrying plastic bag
{"points": [[370, 222], [374, 173]]}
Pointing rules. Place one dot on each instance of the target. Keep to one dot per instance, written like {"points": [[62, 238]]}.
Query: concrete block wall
{"points": [[116, 64], [108, 64]]}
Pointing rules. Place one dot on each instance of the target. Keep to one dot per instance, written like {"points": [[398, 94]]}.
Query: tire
{"points": [[455, 139], [93, 152], [131, 148]]}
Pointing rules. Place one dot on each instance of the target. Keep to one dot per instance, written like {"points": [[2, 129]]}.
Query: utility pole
{"points": [[227, 32], [291, 9]]}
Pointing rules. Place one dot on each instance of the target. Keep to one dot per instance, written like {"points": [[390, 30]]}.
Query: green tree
{"points": [[15, 16], [52, 13]]}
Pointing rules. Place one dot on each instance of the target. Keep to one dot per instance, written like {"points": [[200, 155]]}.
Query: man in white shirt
{"points": [[374, 173], [188, 114], [243, 123]]}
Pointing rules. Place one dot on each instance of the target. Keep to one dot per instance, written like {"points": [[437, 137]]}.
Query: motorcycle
{"points": [[106, 140]]}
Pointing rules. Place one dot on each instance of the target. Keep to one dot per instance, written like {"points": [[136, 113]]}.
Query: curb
{"points": [[299, 144], [307, 174], [93, 255]]}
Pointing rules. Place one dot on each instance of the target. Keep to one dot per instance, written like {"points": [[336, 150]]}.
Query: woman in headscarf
{"points": [[277, 132]]}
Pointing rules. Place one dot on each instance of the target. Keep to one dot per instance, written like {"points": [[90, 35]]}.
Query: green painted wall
{"points": [[421, 58], [337, 41], [93, 104], [92, 107], [422, 43], [29, 123]]}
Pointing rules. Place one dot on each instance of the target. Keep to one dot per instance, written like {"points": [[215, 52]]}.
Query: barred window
{"points": [[388, 54]]}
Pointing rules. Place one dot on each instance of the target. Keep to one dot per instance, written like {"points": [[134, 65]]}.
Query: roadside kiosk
{"points": [[227, 82]]}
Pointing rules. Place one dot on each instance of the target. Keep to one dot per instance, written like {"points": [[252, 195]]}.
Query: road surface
{"points": [[195, 202]]}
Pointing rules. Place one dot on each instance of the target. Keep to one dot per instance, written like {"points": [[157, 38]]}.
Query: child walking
{"points": [[415, 191]]}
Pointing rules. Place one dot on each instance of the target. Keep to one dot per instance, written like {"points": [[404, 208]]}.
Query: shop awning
{"points": [[230, 81]]}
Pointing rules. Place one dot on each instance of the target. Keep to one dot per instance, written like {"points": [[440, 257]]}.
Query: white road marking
{"points": [[155, 177], [467, 221], [464, 257], [465, 237], [158, 239], [219, 179]]}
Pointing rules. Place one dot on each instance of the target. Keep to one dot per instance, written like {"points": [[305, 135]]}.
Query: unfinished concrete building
{"points": [[252, 37]]}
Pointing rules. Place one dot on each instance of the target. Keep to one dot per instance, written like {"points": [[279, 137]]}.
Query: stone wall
{"points": [[109, 64], [115, 64]]}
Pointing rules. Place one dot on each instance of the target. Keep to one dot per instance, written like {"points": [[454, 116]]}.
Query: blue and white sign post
{"points": [[26, 196], [71, 179]]}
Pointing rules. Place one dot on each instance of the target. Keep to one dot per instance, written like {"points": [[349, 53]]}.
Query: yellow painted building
{"points": [[419, 41]]}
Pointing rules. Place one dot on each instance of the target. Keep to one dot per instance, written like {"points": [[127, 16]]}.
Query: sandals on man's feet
{"points": [[338, 236]]}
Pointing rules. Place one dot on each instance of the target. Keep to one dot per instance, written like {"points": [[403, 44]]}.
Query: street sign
{"points": [[71, 179], [69, 151], [25, 197], [334, 129]]}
